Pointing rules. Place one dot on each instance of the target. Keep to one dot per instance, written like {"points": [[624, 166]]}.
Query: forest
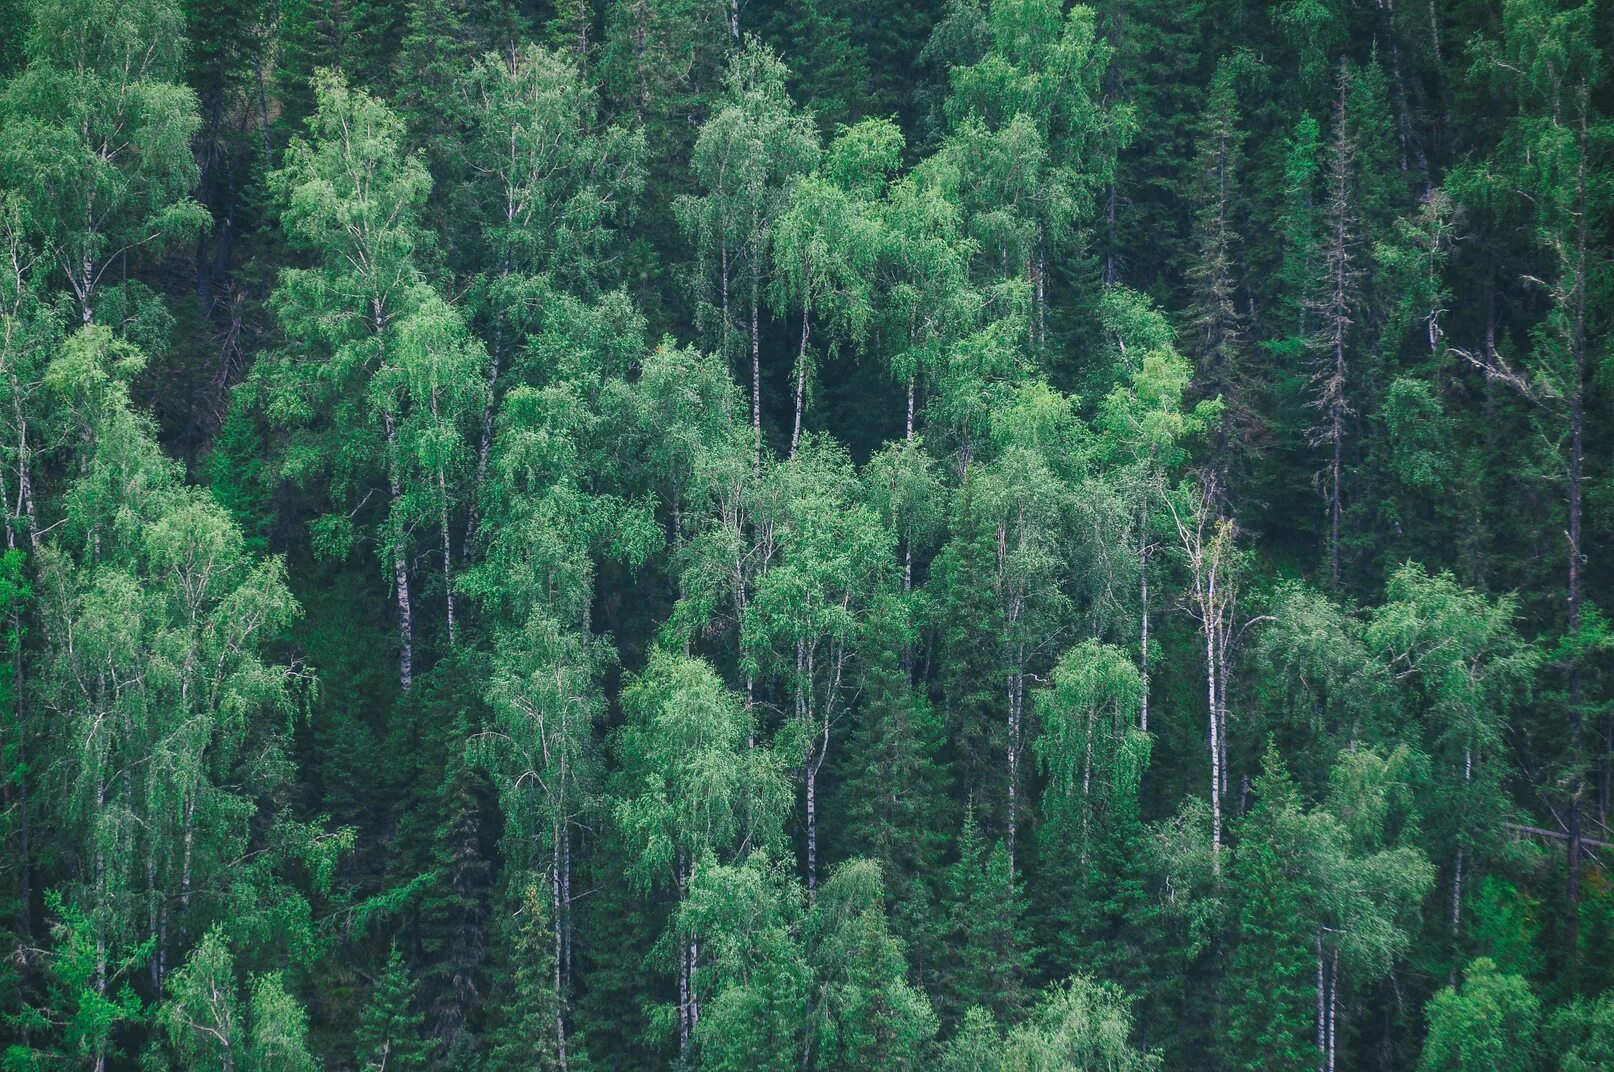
{"points": [[818, 535]]}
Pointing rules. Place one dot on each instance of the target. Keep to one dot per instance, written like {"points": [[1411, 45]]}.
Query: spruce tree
{"points": [[527, 1028], [990, 961], [389, 1034]]}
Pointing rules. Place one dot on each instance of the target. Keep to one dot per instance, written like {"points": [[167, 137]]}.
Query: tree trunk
{"points": [[400, 568], [25, 868], [1457, 865], [801, 379], [1215, 741], [1143, 631], [1577, 422], [1322, 1008], [557, 911], [448, 554], [683, 967], [812, 822], [756, 381], [1333, 1006], [483, 446]]}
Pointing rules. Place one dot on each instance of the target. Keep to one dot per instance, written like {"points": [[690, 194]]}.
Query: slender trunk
{"points": [[1016, 686], [566, 905], [1322, 1008], [21, 801], [483, 446], [801, 378], [756, 381], [1333, 1005], [1223, 634], [1338, 312], [448, 553], [400, 567], [1334, 472], [1457, 866], [448, 548], [694, 967], [725, 327], [683, 966], [1215, 742], [190, 841], [694, 996], [100, 974], [1111, 272], [1087, 787], [153, 903], [406, 624], [1577, 346], [812, 821], [25, 869], [1143, 632], [557, 910]]}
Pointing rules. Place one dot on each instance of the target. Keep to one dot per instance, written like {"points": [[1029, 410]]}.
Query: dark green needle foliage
{"points": [[834, 536]]}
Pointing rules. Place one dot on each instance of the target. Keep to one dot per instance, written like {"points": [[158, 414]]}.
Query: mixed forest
{"points": [[824, 535]]}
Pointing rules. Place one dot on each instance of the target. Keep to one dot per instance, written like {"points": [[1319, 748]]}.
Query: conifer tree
{"points": [[527, 1011], [389, 1035], [1270, 1016], [1218, 321], [1334, 308], [989, 962]]}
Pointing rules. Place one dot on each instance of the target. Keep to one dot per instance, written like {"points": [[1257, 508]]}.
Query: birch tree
{"points": [[692, 792], [754, 146], [804, 627], [95, 138]]}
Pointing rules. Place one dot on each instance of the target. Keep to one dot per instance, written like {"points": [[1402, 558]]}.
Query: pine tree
{"points": [[1333, 306], [526, 1022], [1267, 1003], [455, 911], [389, 1035], [1218, 324], [893, 801], [989, 961]]}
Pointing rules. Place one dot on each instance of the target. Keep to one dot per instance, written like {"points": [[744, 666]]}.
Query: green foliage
{"points": [[1270, 1006], [1491, 1021], [988, 956], [691, 783], [209, 1026], [96, 131], [701, 533], [389, 1034], [87, 992], [1583, 1034]]}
